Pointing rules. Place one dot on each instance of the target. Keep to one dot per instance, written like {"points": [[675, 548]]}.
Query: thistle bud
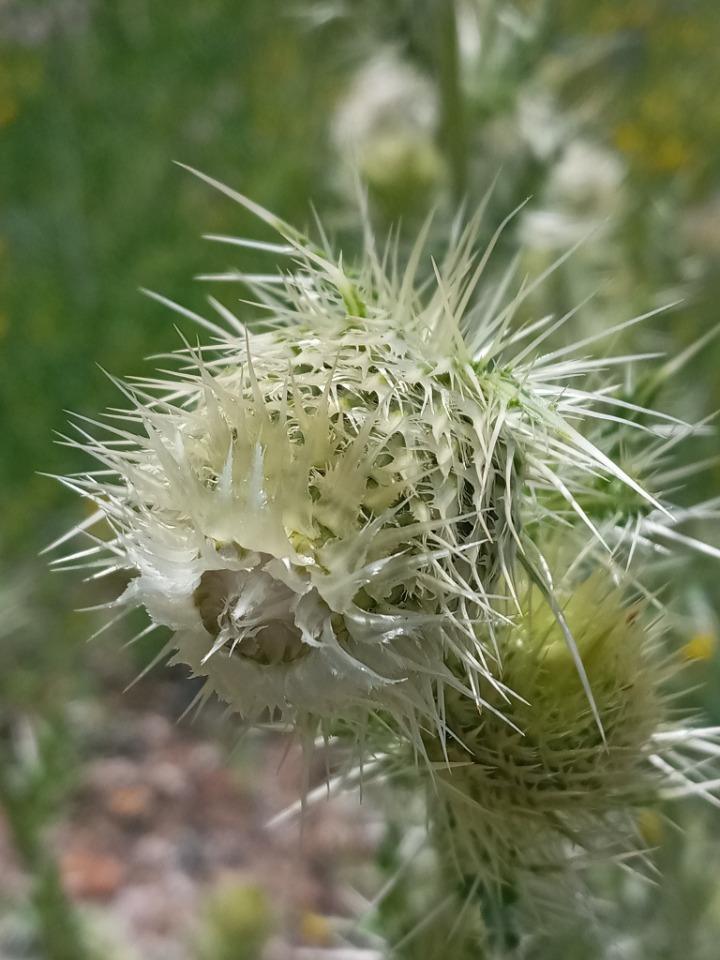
{"points": [[530, 781]]}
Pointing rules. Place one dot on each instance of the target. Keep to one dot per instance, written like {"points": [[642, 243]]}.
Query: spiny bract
{"points": [[323, 511]]}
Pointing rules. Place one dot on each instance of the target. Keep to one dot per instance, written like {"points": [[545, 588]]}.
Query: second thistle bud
{"points": [[531, 781]]}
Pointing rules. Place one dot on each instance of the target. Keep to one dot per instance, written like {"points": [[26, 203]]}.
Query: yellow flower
{"points": [[700, 647]]}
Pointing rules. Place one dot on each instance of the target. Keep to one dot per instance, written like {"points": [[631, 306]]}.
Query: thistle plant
{"points": [[388, 507]]}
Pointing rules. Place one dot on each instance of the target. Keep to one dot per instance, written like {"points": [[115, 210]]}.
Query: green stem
{"points": [[454, 127], [59, 929]]}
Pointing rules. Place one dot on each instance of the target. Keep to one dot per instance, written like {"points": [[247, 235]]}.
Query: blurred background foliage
{"points": [[604, 117]]}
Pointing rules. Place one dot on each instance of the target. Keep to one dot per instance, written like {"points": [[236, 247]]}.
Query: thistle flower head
{"points": [[323, 511]]}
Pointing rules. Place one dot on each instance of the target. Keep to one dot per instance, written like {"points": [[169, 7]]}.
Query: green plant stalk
{"points": [[454, 127], [59, 931]]}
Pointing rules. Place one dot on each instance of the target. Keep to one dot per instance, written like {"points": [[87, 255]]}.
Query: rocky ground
{"points": [[166, 836]]}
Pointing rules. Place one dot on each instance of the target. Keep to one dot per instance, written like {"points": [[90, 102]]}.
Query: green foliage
{"points": [[34, 777], [92, 207], [660, 115]]}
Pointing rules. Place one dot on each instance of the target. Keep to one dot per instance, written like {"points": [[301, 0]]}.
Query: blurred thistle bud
{"points": [[324, 512], [584, 189], [384, 131], [238, 922], [588, 178]]}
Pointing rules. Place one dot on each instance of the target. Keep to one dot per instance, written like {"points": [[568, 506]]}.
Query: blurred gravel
{"points": [[163, 815]]}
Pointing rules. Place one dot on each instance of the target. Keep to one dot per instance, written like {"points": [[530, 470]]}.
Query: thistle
{"points": [[329, 511], [534, 782]]}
